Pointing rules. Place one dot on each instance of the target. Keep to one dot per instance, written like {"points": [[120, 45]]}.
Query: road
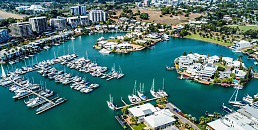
{"points": [[181, 118]]}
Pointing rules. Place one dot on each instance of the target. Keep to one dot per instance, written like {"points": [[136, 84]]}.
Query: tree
{"points": [[193, 119], [220, 58], [201, 120], [184, 54], [255, 100], [216, 74], [144, 16], [133, 120], [233, 75], [125, 109]]}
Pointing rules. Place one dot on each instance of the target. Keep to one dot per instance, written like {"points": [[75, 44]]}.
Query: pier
{"points": [[56, 104], [148, 100], [120, 122], [27, 95], [45, 102]]}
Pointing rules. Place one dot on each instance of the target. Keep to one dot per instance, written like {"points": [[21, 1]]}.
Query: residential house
{"points": [[239, 73], [142, 111]]}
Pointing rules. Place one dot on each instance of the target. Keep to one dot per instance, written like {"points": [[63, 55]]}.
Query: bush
{"points": [[161, 15], [221, 68]]}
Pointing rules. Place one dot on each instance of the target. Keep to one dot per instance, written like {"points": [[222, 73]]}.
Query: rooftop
{"points": [[141, 110]]}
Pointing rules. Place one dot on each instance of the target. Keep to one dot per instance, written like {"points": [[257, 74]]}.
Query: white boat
{"points": [[72, 38], [141, 92], [248, 99], [104, 51], [256, 95], [236, 51], [255, 63], [166, 37], [110, 103], [152, 91], [101, 39], [133, 98], [162, 92]]}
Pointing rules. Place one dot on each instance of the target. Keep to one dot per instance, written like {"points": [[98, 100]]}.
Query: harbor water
{"points": [[90, 111]]}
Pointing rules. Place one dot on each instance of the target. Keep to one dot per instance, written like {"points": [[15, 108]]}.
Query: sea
{"points": [[90, 111]]}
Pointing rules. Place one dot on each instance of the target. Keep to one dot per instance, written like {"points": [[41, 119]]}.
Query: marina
{"points": [[137, 65]]}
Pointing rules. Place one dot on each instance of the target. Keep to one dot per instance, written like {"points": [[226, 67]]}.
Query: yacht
{"points": [[59, 100], [72, 38], [235, 103], [248, 99], [20, 94], [226, 109], [36, 102], [256, 95], [101, 39], [152, 91], [110, 103], [45, 106], [141, 92], [104, 51], [133, 98], [166, 37], [255, 63], [162, 92]]}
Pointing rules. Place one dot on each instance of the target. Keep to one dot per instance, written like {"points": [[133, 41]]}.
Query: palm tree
{"points": [[125, 109], [158, 101], [189, 116], [193, 119], [186, 125], [206, 120], [201, 119]]}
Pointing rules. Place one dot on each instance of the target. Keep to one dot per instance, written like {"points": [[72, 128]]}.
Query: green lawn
{"points": [[245, 28], [201, 127], [220, 65], [139, 126], [198, 37]]}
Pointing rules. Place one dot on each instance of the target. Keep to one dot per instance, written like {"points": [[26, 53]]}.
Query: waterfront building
{"points": [[98, 16], [228, 60], [250, 112], [142, 111], [233, 121], [39, 24], [22, 8], [160, 119], [213, 59], [37, 9], [208, 70], [110, 45], [124, 45], [184, 61], [194, 69], [59, 23], [78, 10], [225, 74], [240, 44], [239, 73], [4, 36], [79, 20], [146, 2], [21, 29]]}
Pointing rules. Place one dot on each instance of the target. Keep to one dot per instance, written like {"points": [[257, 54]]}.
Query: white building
{"points": [[59, 22], [160, 119], [39, 24], [184, 61], [4, 36], [142, 111], [239, 73], [240, 44], [213, 59], [78, 10], [124, 45], [37, 8], [79, 20], [22, 8], [232, 121], [194, 69], [98, 16], [228, 60], [208, 70]]}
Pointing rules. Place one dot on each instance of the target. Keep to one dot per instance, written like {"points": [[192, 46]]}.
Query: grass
{"points": [[201, 127], [245, 28], [139, 126], [220, 65], [198, 37]]}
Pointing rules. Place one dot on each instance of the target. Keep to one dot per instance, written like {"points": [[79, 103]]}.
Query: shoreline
{"points": [[206, 41]]}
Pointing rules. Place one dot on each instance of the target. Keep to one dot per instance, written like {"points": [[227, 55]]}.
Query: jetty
{"points": [[56, 104], [148, 100], [122, 123]]}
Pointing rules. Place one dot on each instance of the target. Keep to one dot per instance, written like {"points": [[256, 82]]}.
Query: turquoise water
{"points": [[90, 111]]}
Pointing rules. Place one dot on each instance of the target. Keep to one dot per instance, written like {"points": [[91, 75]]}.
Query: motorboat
{"points": [[235, 103], [256, 95], [226, 109], [133, 98], [101, 39], [104, 51], [20, 94], [162, 91], [248, 99], [72, 38], [45, 106], [110, 103], [255, 63]]}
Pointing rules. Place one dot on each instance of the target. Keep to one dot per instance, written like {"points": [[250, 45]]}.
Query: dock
{"points": [[45, 102], [56, 104], [27, 95], [120, 122], [148, 100]]}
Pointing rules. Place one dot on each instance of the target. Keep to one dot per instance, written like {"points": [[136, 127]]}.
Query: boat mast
{"points": [[3, 73], [163, 85], [87, 58], [134, 87], [152, 88], [142, 88], [236, 94]]}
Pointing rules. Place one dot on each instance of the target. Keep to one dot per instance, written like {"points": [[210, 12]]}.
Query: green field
{"points": [[244, 28], [198, 37], [139, 126]]}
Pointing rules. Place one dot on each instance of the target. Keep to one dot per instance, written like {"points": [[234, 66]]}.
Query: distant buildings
{"points": [[59, 22], [33, 8], [39, 24], [3, 35], [78, 10], [79, 20], [98, 16], [22, 8], [240, 44], [19, 29], [146, 2]]}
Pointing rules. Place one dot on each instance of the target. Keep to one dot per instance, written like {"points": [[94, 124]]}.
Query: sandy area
{"points": [[5, 15], [137, 47], [154, 16]]}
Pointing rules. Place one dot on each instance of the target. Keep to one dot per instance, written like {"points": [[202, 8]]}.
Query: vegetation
{"points": [[140, 126], [144, 16]]}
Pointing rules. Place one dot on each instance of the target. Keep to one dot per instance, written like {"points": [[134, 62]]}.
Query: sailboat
{"points": [[87, 58], [162, 92], [3, 73], [133, 98], [120, 73], [141, 92], [235, 103], [152, 91], [110, 103]]}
